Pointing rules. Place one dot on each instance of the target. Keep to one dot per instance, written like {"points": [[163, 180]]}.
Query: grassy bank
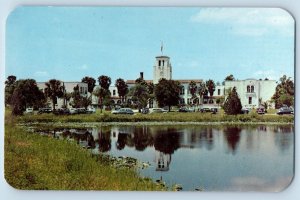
{"points": [[38, 162], [158, 117]]}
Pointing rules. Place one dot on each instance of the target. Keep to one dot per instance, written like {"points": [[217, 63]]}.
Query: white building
{"points": [[253, 92], [69, 88], [162, 69]]}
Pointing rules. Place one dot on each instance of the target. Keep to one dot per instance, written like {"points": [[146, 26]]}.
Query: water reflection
{"points": [[197, 155], [167, 139], [232, 135]]}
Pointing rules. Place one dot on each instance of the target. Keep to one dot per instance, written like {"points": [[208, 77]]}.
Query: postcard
{"points": [[149, 98]]}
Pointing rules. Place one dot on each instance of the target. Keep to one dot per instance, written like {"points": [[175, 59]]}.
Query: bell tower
{"points": [[162, 69]]}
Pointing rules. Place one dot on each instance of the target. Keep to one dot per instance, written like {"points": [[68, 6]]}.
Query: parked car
{"points": [[186, 109], [203, 110], [245, 111], [91, 110], [45, 110], [73, 110], [260, 111], [158, 110], [145, 111], [126, 111], [61, 111], [81, 110], [285, 110], [29, 110]]}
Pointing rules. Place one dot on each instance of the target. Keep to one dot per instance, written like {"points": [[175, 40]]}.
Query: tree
{"points": [[78, 100], [284, 93], [193, 88], [26, 94], [104, 82], [91, 84], [9, 88], [211, 86], [202, 90], [122, 88], [229, 78], [103, 91], [167, 93], [141, 81], [140, 95], [232, 105], [54, 90]]}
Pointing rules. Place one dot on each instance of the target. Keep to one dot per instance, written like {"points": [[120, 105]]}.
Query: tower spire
{"points": [[162, 47]]}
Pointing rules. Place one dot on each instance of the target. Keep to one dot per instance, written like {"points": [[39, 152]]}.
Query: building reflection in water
{"points": [[162, 161]]}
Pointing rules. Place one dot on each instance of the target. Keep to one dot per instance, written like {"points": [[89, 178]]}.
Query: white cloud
{"points": [[83, 67], [248, 21], [41, 74]]}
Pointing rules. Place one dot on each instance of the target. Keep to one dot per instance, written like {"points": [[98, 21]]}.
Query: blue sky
{"points": [[68, 43]]}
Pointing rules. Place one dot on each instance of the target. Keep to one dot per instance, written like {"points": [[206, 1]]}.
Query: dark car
{"points": [[245, 111], [285, 110], [260, 111], [61, 111], [203, 110], [81, 111], [44, 110], [145, 111], [126, 111]]}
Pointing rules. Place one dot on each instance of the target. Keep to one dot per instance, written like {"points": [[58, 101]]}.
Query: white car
{"points": [[157, 110], [91, 110], [29, 110]]}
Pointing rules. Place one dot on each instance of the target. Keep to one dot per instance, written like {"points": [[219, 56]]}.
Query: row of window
{"points": [[161, 63], [182, 92], [250, 89]]}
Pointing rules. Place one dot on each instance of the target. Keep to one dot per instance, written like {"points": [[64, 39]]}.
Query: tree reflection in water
{"points": [[142, 139], [232, 135], [167, 141], [104, 140]]}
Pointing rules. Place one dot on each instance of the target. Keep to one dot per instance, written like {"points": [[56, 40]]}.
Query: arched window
{"points": [[252, 88], [159, 63], [248, 88]]}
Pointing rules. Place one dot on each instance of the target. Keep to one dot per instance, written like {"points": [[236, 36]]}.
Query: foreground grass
{"points": [[38, 162], [158, 117]]}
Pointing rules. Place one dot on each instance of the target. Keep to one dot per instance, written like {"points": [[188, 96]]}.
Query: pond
{"points": [[209, 158]]}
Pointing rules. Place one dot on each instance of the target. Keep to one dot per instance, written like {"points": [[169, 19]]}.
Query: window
{"points": [[252, 88], [151, 103], [114, 92], [219, 91], [250, 100], [159, 62], [182, 90], [181, 101], [248, 88], [163, 63]]}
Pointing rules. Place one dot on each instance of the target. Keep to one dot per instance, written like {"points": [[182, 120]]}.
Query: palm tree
{"points": [[103, 91], [91, 84], [202, 90], [122, 88], [54, 90], [104, 82], [211, 86]]}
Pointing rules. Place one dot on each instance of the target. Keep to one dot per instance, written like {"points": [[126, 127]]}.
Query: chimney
{"points": [[142, 75]]}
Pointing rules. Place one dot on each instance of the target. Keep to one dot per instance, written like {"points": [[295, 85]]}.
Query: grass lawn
{"points": [[35, 162]]}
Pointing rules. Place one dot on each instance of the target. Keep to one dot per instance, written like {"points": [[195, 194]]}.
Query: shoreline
{"points": [[151, 123]]}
